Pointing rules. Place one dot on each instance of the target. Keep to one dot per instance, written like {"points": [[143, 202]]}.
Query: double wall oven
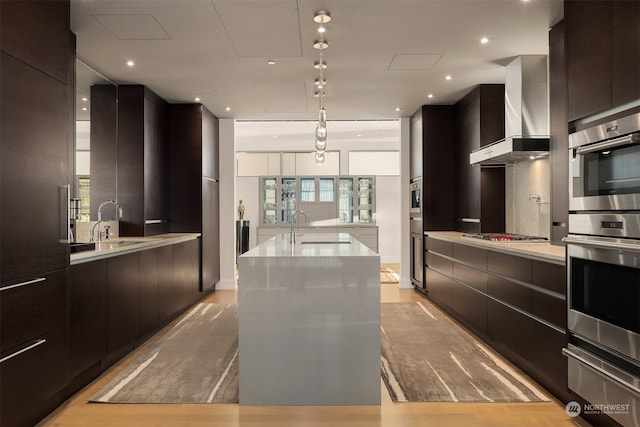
{"points": [[417, 234], [603, 267]]}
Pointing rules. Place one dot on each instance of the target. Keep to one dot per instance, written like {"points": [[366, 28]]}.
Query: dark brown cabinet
{"points": [[37, 51], [33, 343], [123, 305], [87, 319], [559, 143], [479, 191], [142, 174], [194, 187], [516, 304], [603, 46]]}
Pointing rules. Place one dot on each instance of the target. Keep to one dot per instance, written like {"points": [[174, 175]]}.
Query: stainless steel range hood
{"points": [[526, 115]]}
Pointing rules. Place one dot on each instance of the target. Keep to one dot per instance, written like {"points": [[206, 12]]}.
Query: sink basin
{"points": [[80, 247], [326, 242]]}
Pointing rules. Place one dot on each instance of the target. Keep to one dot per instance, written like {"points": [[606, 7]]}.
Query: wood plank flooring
{"points": [[77, 412]]}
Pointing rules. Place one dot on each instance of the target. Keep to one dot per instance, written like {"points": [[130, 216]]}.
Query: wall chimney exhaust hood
{"points": [[526, 115]]}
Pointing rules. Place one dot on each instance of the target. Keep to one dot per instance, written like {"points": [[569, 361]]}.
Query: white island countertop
{"points": [[310, 245], [309, 322]]}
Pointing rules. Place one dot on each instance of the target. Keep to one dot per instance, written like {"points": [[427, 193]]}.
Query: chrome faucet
{"points": [[292, 238], [109, 202], [97, 224]]}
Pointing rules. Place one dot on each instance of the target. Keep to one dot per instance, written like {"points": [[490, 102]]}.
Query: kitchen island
{"points": [[309, 322]]}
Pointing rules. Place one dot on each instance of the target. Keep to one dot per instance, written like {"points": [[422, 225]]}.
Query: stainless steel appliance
{"points": [[604, 166], [603, 296], [505, 237], [417, 253], [416, 197]]}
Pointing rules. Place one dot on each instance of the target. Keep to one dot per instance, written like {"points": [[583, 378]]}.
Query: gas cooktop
{"points": [[505, 237]]}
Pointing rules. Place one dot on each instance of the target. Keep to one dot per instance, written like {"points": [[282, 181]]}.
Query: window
{"points": [[326, 190], [307, 189]]}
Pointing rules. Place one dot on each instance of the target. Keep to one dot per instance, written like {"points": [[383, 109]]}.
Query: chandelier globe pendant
{"points": [[321, 17]]}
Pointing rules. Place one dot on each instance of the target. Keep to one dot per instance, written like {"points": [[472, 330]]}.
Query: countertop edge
{"points": [[536, 251], [150, 242]]}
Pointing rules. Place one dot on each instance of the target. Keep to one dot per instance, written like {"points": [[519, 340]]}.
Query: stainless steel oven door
{"points": [[604, 166], [604, 292]]}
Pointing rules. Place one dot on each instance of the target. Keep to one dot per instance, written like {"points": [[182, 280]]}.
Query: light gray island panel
{"points": [[309, 318]]}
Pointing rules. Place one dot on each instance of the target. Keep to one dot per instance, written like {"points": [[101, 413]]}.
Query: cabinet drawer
{"points": [[550, 276], [443, 265], [470, 255], [439, 246], [511, 266], [471, 277], [30, 311], [511, 293]]}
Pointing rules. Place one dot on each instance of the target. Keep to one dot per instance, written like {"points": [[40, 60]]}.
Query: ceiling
{"points": [[382, 54]]}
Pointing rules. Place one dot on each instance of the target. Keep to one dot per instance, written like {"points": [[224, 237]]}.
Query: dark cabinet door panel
{"points": [[511, 266], [551, 309], [34, 166], [33, 339], [511, 293], [123, 283], [87, 316], [149, 293], [471, 255], [531, 345], [471, 307], [167, 305], [625, 52], [470, 276], [550, 276], [46, 22], [439, 288], [439, 246]]}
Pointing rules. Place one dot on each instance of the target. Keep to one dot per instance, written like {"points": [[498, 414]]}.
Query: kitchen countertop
{"points": [[534, 250], [124, 245], [310, 245]]}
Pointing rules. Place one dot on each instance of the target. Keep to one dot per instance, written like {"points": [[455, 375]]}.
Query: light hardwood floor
{"points": [[77, 412]]}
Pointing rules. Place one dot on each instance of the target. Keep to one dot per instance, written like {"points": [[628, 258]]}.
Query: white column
{"points": [[227, 165], [405, 235]]}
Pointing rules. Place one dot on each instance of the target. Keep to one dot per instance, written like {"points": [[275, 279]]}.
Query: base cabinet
{"points": [[87, 318], [33, 349], [516, 304]]}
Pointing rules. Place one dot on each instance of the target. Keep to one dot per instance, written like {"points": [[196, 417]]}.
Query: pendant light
{"points": [[321, 17]]}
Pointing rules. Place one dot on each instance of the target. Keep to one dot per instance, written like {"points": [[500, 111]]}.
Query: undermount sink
{"points": [[325, 242], [81, 247]]}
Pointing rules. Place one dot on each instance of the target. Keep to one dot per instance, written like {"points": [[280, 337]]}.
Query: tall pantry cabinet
{"points": [[37, 54], [194, 188]]}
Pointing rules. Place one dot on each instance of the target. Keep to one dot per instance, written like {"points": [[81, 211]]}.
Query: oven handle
{"points": [[633, 138], [568, 353], [601, 244]]}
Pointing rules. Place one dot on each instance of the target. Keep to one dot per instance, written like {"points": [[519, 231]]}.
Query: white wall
{"points": [[247, 189], [388, 215], [227, 164]]}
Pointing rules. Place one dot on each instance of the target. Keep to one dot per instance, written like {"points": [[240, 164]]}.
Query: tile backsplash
{"points": [[527, 198]]}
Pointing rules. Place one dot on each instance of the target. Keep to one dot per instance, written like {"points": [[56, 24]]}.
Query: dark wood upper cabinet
{"points": [[479, 205], [603, 47], [36, 32], [433, 132]]}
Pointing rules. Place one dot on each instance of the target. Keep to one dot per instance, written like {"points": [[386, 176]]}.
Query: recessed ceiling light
{"points": [[85, 99], [448, 77], [84, 108], [398, 109], [228, 109], [275, 136], [196, 99], [322, 17], [130, 63], [484, 40], [359, 135], [271, 62], [322, 29], [430, 95]]}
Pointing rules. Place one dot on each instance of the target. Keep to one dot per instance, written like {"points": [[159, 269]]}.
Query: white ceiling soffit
{"points": [[282, 97], [177, 91], [133, 26], [262, 29], [414, 61]]}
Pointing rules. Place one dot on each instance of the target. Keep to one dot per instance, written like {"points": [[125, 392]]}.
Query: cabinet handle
{"points": [[65, 217], [30, 282], [633, 138], [154, 221], [34, 344], [474, 220]]}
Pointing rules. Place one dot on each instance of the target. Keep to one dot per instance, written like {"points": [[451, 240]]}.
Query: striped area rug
{"points": [[428, 358], [196, 361]]}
